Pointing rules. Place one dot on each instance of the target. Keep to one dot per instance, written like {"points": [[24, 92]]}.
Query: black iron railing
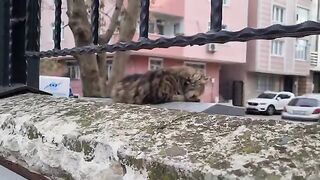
{"points": [[20, 32], [26, 61], [57, 24]]}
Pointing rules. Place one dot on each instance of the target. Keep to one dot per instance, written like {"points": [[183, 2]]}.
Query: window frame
{"points": [[306, 50], [150, 59], [73, 70], [275, 20], [269, 84], [280, 48], [191, 63], [177, 28], [300, 7]]}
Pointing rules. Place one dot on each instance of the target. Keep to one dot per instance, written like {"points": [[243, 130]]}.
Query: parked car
{"points": [[269, 102], [304, 108]]}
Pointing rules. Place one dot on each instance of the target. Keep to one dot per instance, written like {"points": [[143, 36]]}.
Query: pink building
{"points": [[167, 19], [280, 64]]}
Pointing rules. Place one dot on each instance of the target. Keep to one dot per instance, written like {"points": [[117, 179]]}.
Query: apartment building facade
{"points": [[167, 19], [315, 52], [280, 64]]}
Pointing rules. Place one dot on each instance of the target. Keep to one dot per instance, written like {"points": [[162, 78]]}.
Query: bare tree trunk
{"points": [[101, 60], [127, 30], [80, 26], [92, 67], [105, 38]]}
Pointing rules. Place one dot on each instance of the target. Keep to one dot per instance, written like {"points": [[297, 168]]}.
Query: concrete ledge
{"points": [[79, 139], [209, 108], [186, 106]]}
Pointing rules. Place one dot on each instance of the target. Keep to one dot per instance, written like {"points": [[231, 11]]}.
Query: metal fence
{"points": [[20, 32]]}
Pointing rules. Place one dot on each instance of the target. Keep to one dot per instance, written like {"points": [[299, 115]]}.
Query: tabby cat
{"points": [[181, 83]]}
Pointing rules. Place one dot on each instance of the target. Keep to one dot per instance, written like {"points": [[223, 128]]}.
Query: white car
{"points": [[269, 102], [303, 108]]}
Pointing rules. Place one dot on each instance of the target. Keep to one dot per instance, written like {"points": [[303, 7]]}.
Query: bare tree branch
{"points": [[92, 84], [105, 38], [127, 30], [78, 22], [92, 67]]}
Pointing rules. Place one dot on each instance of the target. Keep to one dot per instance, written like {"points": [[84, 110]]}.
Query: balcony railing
{"points": [[314, 59]]}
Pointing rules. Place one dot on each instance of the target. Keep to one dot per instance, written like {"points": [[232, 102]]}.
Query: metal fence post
{"points": [[144, 19], [95, 21], [57, 24], [32, 34], [216, 15], [17, 71], [4, 43]]}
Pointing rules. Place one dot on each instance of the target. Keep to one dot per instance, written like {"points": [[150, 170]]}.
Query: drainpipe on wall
{"points": [[318, 13], [212, 89], [318, 20]]}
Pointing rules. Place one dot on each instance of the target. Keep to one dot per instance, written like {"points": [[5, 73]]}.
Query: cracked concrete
{"points": [[86, 139]]}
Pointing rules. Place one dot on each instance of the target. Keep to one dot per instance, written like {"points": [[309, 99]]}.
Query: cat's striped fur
{"points": [[181, 83]]}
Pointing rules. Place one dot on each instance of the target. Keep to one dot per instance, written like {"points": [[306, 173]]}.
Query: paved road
{"points": [[275, 117]]}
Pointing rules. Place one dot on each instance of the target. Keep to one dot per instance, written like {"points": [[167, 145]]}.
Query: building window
{"points": [[160, 26], [226, 2], [157, 27], [176, 28], [73, 70], [301, 49], [277, 14], [262, 83], [155, 63], [265, 83], [109, 68], [62, 30], [302, 15], [200, 66], [167, 26], [151, 27], [277, 47], [223, 26]]}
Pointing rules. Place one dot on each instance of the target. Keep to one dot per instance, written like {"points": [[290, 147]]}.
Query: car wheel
{"points": [[270, 110]]}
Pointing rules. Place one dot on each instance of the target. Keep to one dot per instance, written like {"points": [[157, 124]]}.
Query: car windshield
{"points": [[267, 95], [304, 102]]}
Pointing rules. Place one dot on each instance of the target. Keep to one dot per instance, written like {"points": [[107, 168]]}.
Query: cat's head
{"points": [[193, 82]]}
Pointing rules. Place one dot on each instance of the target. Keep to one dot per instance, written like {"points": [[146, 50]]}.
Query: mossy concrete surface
{"points": [[88, 139]]}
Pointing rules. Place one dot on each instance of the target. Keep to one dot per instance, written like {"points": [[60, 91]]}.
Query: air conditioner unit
{"points": [[314, 58], [211, 47]]}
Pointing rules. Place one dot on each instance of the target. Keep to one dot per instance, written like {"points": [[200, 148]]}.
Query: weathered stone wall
{"points": [[81, 139]]}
